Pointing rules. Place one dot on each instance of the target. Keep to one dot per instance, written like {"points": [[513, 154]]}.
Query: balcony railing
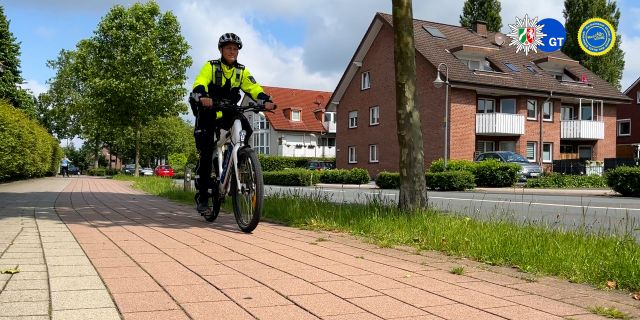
{"points": [[330, 126], [581, 130], [499, 124]]}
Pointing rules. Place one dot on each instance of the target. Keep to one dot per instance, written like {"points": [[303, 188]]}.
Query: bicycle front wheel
{"points": [[247, 200]]}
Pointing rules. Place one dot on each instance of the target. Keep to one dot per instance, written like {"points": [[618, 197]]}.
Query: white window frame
{"points": [[638, 97], [550, 145], [365, 82], [374, 115], [624, 121], [484, 110], [535, 109], [353, 119], [515, 105], [548, 103], [571, 110], [373, 153], [535, 151], [353, 155], [298, 117], [261, 148]]}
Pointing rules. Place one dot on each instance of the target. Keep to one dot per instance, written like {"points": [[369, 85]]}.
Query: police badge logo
{"points": [[526, 34], [252, 79]]}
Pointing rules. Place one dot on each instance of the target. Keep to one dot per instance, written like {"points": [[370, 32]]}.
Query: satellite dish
{"points": [[500, 38]]}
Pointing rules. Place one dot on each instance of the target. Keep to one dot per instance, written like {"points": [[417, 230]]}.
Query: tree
{"points": [[136, 67], [10, 74], [608, 66], [413, 189], [164, 136], [484, 10]]}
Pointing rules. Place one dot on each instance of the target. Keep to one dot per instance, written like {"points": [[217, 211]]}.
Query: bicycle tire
{"points": [[247, 205], [214, 209]]}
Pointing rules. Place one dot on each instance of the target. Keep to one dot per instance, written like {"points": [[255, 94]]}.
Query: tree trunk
{"points": [[136, 173], [96, 150], [413, 189]]}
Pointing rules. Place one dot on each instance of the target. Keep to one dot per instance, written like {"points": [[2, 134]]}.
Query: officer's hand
{"points": [[206, 102]]}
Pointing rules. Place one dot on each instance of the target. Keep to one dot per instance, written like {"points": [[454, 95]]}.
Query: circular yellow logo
{"points": [[596, 36]]}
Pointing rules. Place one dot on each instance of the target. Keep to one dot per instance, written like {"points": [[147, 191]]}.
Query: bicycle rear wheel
{"points": [[247, 200]]}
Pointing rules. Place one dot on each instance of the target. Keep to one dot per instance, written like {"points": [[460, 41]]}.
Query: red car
{"points": [[163, 171]]}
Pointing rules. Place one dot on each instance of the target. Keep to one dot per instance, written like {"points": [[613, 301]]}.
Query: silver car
{"points": [[528, 169]]}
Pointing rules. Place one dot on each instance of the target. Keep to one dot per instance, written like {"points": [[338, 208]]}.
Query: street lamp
{"points": [[438, 84]]}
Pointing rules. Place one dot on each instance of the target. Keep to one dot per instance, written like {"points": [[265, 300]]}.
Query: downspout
{"points": [[541, 144]]}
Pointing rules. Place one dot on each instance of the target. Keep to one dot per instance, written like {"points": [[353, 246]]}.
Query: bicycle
{"points": [[237, 171]]}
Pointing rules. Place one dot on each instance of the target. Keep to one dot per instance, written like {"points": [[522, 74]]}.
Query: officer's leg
{"points": [[247, 128], [205, 145]]}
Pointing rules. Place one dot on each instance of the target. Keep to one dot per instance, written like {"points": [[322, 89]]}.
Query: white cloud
{"points": [[35, 87], [630, 45]]}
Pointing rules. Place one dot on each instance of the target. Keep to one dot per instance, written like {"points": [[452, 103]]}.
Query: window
{"points": [[353, 119], [508, 106], [485, 146], [295, 115], [547, 152], [374, 115], [512, 67], [260, 122], [486, 106], [352, 155], [434, 32], [373, 153], [532, 69], [547, 111], [586, 112], [507, 146], [531, 151], [624, 127], [566, 113], [261, 142], [366, 81], [638, 97], [482, 65], [532, 109]]}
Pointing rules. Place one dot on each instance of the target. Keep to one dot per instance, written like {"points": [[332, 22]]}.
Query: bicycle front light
{"points": [[243, 134]]}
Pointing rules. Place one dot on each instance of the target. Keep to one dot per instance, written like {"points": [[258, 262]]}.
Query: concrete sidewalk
{"points": [[91, 248]]}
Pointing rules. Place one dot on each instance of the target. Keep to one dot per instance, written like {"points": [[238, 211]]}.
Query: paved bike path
{"points": [[92, 248]]}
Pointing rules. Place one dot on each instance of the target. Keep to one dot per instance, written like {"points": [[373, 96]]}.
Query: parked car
{"points": [[163, 171], [320, 165], [73, 170], [146, 171], [528, 169], [129, 168]]}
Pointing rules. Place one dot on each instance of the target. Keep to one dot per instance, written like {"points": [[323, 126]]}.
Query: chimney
{"points": [[480, 27]]}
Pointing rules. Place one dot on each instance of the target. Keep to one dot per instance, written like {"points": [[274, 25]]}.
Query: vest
{"points": [[226, 92]]}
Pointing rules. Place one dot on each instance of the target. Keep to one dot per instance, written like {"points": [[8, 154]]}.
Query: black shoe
{"points": [[203, 207]]}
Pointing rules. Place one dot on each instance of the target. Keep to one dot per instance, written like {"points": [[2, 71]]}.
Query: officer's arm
{"points": [[200, 85], [250, 86]]}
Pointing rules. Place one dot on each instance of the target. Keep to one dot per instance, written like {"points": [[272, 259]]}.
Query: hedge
{"points": [[278, 163], [102, 172], [291, 177], [624, 180], [342, 176], [555, 180], [492, 173], [388, 180], [27, 150], [453, 165], [450, 180]]}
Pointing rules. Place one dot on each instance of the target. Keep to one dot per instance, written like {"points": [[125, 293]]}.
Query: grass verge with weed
{"points": [[612, 313], [575, 255]]}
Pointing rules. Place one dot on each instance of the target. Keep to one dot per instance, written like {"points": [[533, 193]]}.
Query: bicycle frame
{"points": [[236, 137]]}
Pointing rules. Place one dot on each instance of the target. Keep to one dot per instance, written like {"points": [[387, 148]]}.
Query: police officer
{"points": [[218, 80]]}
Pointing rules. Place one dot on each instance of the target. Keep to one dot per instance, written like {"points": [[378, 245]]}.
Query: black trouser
{"points": [[205, 131]]}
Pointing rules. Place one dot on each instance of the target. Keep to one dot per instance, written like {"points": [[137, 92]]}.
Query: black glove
{"points": [[263, 98]]}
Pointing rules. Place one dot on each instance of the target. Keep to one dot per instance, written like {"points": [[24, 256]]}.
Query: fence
{"points": [[611, 163]]}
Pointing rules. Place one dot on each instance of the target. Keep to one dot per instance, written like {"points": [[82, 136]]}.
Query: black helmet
{"points": [[229, 38]]}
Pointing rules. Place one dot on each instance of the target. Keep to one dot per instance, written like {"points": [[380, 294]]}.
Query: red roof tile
{"points": [[307, 101]]}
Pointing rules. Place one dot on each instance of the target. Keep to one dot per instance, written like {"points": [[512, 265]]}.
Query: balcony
{"points": [[330, 126], [581, 130], [499, 124]]}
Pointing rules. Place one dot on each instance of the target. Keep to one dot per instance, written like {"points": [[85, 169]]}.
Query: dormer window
{"points": [[295, 115], [482, 64]]}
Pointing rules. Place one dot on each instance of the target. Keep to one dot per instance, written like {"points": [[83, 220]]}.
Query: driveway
{"points": [[93, 248]]}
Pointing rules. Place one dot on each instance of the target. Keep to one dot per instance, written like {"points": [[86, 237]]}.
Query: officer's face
{"points": [[229, 52]]}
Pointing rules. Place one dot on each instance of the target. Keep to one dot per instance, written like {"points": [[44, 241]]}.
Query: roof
{"points": [[438, 50], [632, 86], [307, 101]]}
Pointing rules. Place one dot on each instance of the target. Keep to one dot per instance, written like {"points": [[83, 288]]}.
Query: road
{"points": [[608, 214]]}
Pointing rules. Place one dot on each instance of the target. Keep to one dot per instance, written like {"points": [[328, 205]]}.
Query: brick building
{"points": [[628, 122], [544, 106]]}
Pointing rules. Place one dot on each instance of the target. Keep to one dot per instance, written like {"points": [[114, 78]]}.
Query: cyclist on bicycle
{"points": [[219, 80]]}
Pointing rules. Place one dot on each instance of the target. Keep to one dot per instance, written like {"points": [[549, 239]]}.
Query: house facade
{"points": [[544, 106], [627, 124], [299, 127]]}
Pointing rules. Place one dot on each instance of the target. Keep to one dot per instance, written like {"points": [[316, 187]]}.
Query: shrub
{"points": [[453, 165], [624, 180], [277, 163], [450, 180], [343, 176], [26, 149], [291, 177], [492, 173], [97, 172], [556, 180], [388, 180]]}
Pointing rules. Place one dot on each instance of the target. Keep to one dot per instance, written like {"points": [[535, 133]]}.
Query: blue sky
{"points": [[292, 43]]}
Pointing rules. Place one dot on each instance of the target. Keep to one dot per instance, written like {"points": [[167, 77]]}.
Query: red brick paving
{"points": [[160, 260]]}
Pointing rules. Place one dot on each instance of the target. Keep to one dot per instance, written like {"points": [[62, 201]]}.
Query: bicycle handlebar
{"points": [[252, 106]]}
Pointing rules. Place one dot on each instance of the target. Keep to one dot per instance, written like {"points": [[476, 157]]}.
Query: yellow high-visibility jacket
{"points": [[220, 81]]}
